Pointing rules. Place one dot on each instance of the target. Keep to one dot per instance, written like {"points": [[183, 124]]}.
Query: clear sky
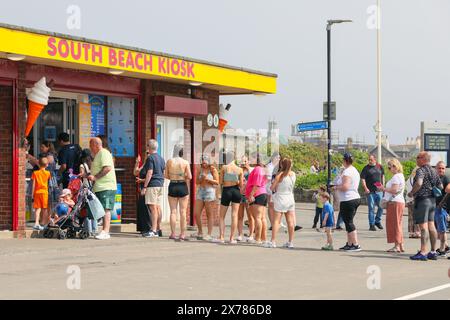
{"points": [[287, 37]]}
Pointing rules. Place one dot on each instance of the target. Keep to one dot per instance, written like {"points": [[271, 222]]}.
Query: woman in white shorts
{"points": [[284, 202]]}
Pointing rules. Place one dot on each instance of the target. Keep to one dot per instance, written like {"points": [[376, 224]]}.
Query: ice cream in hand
{"points": [[223, 116], [37, 100]]}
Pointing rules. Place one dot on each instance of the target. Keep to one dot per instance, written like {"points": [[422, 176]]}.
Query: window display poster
{"points": [[97, 115], [50, 133], [121, 126], [84, 129]]}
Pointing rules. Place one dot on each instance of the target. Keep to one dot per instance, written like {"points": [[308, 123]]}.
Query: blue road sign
{"points": [[312, 126]]}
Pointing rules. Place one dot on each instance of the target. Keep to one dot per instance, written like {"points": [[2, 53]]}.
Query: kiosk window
{"points": [[121, 126]]}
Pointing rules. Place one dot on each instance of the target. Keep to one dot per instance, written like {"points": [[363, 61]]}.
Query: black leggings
{"points": [[318, 216], [347, 211]]}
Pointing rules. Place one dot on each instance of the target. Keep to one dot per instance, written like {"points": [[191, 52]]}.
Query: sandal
{"points": [[182, 238], [394, 250], [172, 237]]}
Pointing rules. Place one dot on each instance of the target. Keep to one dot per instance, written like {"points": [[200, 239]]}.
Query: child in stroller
{"points": [[63, 208], [68, 220]]}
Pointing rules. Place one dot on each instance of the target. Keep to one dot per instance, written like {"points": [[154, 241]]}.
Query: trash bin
{"points": [[116, 214]]}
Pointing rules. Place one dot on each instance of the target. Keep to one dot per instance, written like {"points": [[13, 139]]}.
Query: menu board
{"points": [[97, 115], [84, 128], [121, 126], [437, 142]]}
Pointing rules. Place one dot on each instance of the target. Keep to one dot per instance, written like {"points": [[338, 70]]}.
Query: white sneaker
{"points": [[233, 242], [269, 244], [239, 239], [218, 241], [289, 245], [207, 238], [251, 240], [103, 236]]}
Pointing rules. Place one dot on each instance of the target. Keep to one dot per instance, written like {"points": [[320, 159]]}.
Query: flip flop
{"points": [[394, 250]]}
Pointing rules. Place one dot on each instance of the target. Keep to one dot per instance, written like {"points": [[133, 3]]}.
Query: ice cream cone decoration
{"points": [[223, 116], [37, 100]]}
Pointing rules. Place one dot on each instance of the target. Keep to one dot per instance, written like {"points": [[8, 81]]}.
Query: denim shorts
{"points": [[440, 220], [206, 194]]}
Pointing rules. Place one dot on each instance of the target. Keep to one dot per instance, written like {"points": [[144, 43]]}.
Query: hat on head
{"points": [[65, 192], [348, 156]]}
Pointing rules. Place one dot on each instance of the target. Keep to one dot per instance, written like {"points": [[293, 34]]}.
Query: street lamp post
{"points": [[329, 24]]}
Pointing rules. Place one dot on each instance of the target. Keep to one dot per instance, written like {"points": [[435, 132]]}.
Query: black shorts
{"points": [[230, 194], [261, 200], [178, 189]]}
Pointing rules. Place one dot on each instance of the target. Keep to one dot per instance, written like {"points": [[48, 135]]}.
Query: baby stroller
{"points": [[71, 224]]}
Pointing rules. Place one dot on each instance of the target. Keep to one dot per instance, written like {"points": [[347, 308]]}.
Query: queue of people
{"points": [[259, 192]]}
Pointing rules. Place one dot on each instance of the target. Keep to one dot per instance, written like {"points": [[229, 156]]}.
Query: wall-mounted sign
{"points": [[84, 127], [210, 120], [101, 55], [97, 115]]}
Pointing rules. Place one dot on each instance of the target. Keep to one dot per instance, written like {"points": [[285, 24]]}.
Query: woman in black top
{"points": [[143, 219]]}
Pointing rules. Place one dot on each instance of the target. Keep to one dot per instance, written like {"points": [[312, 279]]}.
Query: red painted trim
{"points": [[84, 81], [182, 107], [192, 221], [9, 69], [15, 160], [139, 125]]}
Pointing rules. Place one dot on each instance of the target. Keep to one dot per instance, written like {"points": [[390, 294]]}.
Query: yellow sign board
{"points": [[98, 55], [84, 130]]}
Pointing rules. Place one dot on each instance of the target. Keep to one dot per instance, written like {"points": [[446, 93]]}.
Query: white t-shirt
{"points": [[269, 172], [352, 193], [399, 180]]}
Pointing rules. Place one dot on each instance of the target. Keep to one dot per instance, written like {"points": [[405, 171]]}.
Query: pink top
{"points": [[256, 178]]}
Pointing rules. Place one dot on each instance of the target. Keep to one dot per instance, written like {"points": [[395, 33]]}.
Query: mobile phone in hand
{"points": [[378, 184]]}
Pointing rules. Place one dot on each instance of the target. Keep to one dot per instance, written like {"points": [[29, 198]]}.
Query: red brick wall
{"points": [[6, 104], [126, 178], [128, 182], [153, 88], [21, 115]]}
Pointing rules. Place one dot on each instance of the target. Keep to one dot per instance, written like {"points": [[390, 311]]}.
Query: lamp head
{"points": [[331, 22]]}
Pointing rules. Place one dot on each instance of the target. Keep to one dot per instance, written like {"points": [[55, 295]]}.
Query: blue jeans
{"points": [[374, 199], [90, 225]]}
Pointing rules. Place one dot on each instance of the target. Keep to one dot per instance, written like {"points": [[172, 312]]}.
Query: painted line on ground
{"points": [[424, 292]]}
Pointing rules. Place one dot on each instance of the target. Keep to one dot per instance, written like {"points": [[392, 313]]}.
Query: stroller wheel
{"points": [[45, 234], [61, 235], [83, 235], [71, 234], [50, 234]]}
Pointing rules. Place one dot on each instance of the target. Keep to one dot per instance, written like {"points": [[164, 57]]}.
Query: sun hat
{"points": [[65, 192]]}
